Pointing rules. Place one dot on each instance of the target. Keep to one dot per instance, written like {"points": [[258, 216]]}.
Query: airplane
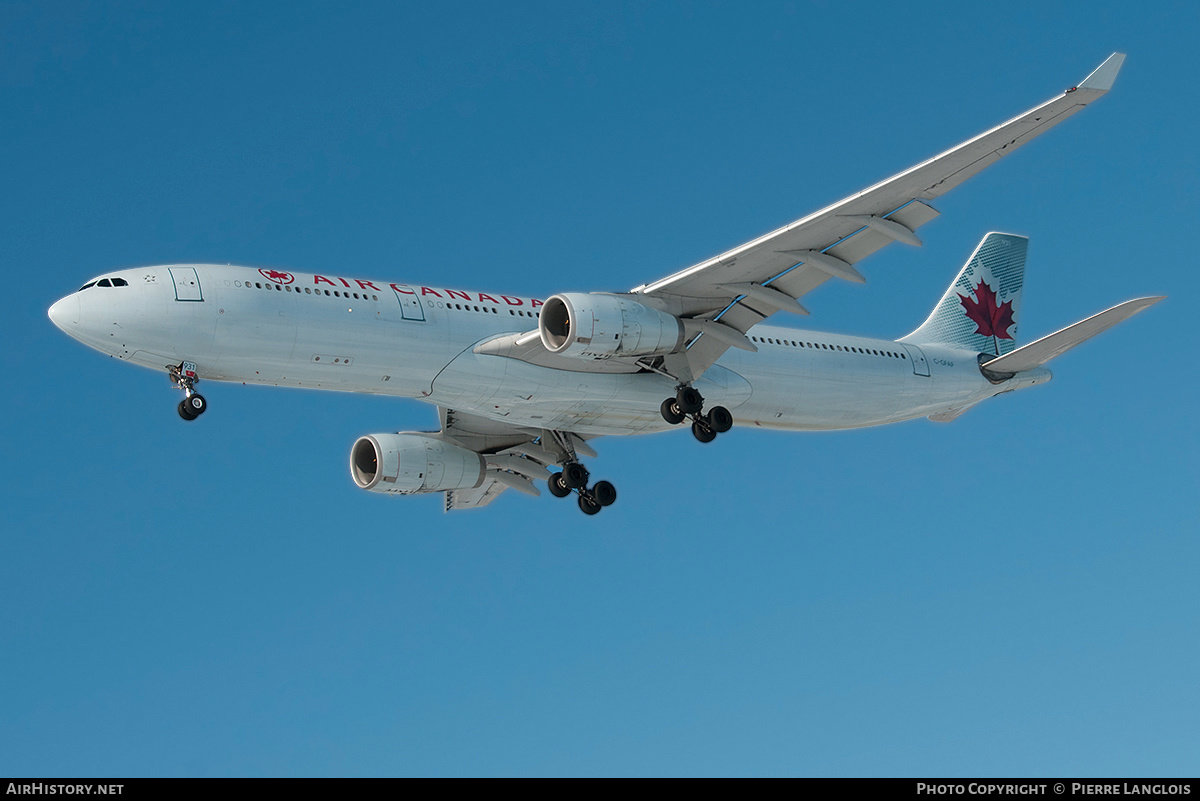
{"points": [[523, 385]]}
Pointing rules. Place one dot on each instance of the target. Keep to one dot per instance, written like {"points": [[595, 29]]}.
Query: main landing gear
{"points": [[574, 478], [193, 404], [689, 403]]}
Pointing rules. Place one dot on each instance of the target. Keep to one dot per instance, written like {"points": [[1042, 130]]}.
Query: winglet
{"points": [[1103, 77]]}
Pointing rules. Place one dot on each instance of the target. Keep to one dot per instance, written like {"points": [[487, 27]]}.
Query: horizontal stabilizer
{"points": [[1035, 354]]}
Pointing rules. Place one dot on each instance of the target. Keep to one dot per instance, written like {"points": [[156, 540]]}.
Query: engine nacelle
{"points": [[585, 326], [407, 463]]}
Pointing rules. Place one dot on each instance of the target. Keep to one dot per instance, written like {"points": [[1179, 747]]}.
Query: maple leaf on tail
{"points": [[991, 320]]}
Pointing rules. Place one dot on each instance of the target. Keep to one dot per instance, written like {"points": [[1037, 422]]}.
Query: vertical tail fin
{"points": [[981, 308]]}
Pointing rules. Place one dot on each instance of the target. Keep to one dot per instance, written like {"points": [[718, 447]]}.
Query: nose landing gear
{"points": [[184, 377], [689, 403]]}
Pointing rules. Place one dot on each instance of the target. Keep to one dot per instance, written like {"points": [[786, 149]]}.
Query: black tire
{"points": [[690, 400], [587, 505], [575, 475], [719, 419], [196, 404], [558, 487], [671, 413], [184, 411], [604, 493], [702, 432]]}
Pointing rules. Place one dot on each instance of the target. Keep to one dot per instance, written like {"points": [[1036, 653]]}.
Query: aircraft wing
{"points": [[515, 457], [731, 292]]}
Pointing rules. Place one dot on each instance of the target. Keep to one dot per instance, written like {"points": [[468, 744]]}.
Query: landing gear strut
{"points": [[193, 404], [689, 403]]}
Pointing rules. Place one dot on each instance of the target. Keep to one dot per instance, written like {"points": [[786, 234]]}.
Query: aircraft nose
{"points": [[65, 313]]}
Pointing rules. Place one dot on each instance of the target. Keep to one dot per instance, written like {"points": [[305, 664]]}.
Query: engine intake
{"points": [[595, 326], [408, 463]]}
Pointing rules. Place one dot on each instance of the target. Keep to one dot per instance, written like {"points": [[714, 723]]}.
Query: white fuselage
{"points": [[352, 335]]}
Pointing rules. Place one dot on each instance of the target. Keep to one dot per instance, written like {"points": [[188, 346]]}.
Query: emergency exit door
{"points": [[917, 357], [187, 283], [410, 304]]}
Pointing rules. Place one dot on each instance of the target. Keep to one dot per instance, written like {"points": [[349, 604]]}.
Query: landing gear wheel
{"points": [[702, 432], [587, 505], [575, 476], [183, 376], [558, 487], [671, 412], [719, 419], [196, 404], [604, 493], [690, 400]]}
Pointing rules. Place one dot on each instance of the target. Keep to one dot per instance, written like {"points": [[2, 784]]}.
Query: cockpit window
{"points": [[88, 285], [106, 282]]}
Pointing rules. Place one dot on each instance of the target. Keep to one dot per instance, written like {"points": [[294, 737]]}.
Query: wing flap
{"points": [[482, 495]]}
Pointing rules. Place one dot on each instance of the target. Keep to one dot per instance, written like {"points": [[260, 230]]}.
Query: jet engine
{"points": [[587, 326], [407, 463]]}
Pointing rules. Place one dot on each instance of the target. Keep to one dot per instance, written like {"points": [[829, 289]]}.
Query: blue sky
{"points": [[1010, 594]]}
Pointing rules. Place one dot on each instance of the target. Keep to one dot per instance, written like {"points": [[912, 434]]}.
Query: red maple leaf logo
{"points": [[277, 276], [990, 319]]}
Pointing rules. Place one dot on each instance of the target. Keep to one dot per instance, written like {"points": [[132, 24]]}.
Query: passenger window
{"points": [[307, 290], [337, 294]]}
